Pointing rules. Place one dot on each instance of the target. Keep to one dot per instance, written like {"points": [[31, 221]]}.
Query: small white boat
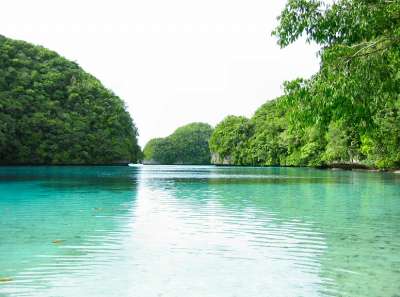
{"points": [[134, 165]]}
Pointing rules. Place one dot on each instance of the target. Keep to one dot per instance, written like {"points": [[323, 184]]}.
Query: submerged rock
{"points": [[58, 241]]}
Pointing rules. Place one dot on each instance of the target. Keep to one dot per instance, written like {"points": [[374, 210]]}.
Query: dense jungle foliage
{"points": [[52, 112], [348, 112], [187, 145]]}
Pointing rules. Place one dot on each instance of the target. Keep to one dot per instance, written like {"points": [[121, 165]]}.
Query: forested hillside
{"points": [[348, 112], [53, 112], [189, 144]]}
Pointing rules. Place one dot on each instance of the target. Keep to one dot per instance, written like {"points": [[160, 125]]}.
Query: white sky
{"points": [[173, 62]]}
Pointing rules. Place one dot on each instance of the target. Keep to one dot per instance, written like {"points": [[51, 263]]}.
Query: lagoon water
{"points": [[198, 231]]}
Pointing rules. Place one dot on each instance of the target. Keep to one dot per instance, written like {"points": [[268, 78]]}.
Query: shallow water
{"points": [[198, 231]]}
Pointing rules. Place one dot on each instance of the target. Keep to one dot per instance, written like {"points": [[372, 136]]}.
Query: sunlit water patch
{"points": [[198, 231]]}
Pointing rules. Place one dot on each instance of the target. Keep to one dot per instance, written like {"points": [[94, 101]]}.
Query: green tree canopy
{"points": [[348, 112], [53, 112], [187, 145], [229, 139]]}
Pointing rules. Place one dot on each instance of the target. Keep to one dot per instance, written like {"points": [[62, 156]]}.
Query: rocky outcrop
{"points": [[216, 159], [150, 162], [347, 165]]}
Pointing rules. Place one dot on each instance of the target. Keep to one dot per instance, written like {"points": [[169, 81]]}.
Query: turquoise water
{"points": [[198, 231]]}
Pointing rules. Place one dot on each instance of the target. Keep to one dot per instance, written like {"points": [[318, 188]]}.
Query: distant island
{"points": [[53, 112], [188, 145]]}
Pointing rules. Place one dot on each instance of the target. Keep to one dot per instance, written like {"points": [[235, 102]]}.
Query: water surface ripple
{"points": [[198, 231]]}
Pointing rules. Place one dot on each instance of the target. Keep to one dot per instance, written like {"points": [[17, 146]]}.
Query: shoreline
{"points": [[332, 167]]}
